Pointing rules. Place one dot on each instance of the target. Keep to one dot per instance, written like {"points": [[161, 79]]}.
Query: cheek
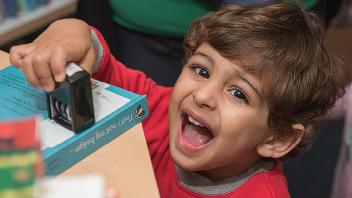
{"points": [[178, 95], [182, 89], [245, 124]]}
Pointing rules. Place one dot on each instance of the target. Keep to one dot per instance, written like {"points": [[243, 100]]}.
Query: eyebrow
{"points": [[197, 53], [249, 83], [238, 73]]}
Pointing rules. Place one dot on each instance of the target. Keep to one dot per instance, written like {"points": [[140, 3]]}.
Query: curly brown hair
{"points": [[283, 45]]}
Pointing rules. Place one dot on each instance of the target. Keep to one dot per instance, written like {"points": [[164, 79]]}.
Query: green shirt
{"points": [[307, 4], [170, 18]]}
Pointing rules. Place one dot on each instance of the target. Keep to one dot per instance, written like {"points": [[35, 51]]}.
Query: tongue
{"points": [[196, 135]]}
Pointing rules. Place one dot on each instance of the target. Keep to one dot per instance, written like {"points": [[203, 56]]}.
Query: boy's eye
{"points": [[201, 71], [239, 94]]}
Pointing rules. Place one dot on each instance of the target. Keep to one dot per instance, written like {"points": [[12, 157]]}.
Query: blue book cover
{"points": [[2, 10], [43, 2], [22, 6], [116, 110], [10, 7], [32, 4]]}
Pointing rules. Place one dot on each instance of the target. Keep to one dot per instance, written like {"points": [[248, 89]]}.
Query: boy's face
{"points": [[217, 116]]}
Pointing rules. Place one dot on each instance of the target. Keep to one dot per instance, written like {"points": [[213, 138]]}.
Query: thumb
{"points": [[88, 61], [58, 63], [62, 55]]}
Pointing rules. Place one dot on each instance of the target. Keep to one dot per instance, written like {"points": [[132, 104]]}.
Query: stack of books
{"points": [[19, 157], [21, 167], [13, 8]]}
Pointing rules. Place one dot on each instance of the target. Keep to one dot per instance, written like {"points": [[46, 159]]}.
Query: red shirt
{"points": [[261, 185]]}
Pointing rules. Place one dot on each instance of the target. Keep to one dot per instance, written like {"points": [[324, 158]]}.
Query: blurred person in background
{"points": [[147, 35], [342, 186], [344, 16]]}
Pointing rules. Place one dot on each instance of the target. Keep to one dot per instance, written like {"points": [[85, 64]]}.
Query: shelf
{"points": [[14, 28]]}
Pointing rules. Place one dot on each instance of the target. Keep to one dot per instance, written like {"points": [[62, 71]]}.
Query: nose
{"points": [[205, 96]]}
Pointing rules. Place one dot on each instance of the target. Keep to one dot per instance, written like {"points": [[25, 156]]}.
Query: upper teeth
{"points": [[192, 120]]}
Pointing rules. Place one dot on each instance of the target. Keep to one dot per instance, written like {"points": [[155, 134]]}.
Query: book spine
{"points": [[11, 8], [32, 4], [43, 2], [2, 10], [119, 123], [22, 6]]}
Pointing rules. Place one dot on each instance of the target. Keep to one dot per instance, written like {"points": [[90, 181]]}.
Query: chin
{"points": [[184, 161]]}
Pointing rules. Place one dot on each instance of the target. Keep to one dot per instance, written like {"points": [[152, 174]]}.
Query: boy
{"points": [[255, 80]]}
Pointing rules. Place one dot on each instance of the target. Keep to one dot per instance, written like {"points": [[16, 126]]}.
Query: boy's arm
{"points": [[70, 40]]}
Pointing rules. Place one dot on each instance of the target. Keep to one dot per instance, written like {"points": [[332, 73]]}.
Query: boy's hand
{"points": [[43, 61]]}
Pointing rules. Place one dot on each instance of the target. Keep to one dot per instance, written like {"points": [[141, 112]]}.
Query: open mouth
{"points": [[195, 133]]}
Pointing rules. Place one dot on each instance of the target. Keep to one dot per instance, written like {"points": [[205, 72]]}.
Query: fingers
{"points": [[88, 61], [17, 54], [44, 60], [29, 73], [42, 70], [58, 63], [33, 66], [111, 193], [42, 65]]}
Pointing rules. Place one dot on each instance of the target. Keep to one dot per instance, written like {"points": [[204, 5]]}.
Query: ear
{"points": [[273, 147]]}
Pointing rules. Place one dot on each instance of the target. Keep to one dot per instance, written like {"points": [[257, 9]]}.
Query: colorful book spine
{"points": [[19, 157], [12, 8], [2, 11]]}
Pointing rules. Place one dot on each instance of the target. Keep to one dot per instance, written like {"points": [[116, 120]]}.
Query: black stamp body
{"points": [[71, 103]]}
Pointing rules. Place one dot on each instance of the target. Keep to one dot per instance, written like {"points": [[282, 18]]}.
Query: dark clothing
{"points": [[159, 57]]}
